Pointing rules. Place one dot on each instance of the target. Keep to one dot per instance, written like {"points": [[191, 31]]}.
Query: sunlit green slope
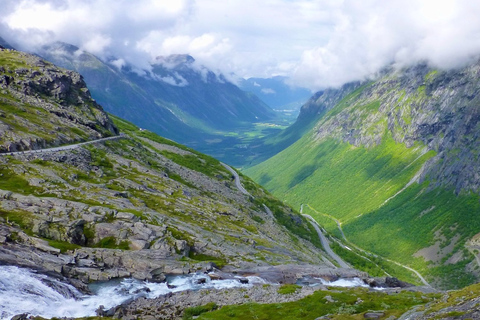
{"points": [[396, 163]]}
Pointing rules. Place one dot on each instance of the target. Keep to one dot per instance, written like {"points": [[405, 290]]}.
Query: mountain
{"points": [[4, 44], [104, 205], [176, 98], [45, 106], [394, 162], [134, 205], [276, 93]]}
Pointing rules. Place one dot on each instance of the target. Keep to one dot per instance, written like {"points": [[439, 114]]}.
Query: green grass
{"points": [[219, 261], [337, 178], [345, 102], [293, 221], [288, 288], [346, 305], [62, 245], [16, 183], [111, 243], [22, 219], [409, 222], [352, 184], [12, 60], [190, 313]]}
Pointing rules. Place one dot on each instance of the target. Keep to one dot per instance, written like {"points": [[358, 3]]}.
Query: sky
{"points": [[317, 43]]}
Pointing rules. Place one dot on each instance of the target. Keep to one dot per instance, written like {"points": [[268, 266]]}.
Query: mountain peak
{"points": [[61, 46]]}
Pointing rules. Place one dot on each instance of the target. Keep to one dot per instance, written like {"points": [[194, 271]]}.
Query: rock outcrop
{"points": [[61, 109]]}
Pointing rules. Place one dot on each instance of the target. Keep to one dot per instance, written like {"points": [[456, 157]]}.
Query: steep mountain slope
{"points": [[396, 163], [45, 106], [313, 110], [177, 98], [139, 205]]}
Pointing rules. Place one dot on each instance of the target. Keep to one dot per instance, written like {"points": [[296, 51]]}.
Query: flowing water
{"points": [[25, 291]]}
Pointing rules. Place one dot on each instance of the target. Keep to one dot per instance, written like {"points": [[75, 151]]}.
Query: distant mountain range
{"points": [[177, 98], [5, 44]]}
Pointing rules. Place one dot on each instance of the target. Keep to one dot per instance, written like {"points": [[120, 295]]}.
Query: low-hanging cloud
{"points": [[318, 43], [371, 34]]}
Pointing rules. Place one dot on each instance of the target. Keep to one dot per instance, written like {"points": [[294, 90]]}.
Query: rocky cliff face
{"points": [[439, 109], [62, 110]]}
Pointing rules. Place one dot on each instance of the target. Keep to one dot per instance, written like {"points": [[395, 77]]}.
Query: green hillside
{"points": [[394, 188]]}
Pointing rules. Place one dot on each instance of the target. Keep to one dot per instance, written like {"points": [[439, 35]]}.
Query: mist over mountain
{"points": [[177, 97], [276, 92], [5, 44]]}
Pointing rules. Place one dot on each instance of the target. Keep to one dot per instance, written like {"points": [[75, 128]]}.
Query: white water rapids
{"points": [[25, 291]]}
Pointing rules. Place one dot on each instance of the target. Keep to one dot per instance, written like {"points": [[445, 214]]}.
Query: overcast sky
{"points": [[319, 43]]}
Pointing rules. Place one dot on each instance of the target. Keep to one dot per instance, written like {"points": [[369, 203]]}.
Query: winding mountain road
{"points": [[339, 225], [237, 179], [63, 148], [325, 243], [322, 238]]}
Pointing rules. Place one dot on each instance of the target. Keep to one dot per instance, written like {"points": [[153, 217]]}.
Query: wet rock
{"points": [[395, 283], [371, 282], [158, 275]]}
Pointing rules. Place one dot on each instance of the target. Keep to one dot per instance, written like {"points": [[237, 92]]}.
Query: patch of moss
{"points": [[288, 288], [63, 245]]}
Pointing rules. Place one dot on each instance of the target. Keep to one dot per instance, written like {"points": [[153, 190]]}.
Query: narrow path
{"points": [[325, 243], [63, 148], [237, 179], [338, 222], [323, 240], [339, 225]]}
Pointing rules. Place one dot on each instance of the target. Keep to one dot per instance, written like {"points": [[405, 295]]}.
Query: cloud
{"points": [[318, 43], [373, 34], [268, 91]]}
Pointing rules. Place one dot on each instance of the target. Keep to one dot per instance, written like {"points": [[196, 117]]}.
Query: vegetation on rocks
{"points": [[129, 206], [336, 303]]}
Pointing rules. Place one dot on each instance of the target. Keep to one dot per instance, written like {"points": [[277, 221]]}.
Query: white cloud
{"points": [[268, 91], [373, 34], [318, 42]]}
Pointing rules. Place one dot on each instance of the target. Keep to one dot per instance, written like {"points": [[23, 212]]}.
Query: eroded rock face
{"points": [[439, 109], [62, 106]]}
